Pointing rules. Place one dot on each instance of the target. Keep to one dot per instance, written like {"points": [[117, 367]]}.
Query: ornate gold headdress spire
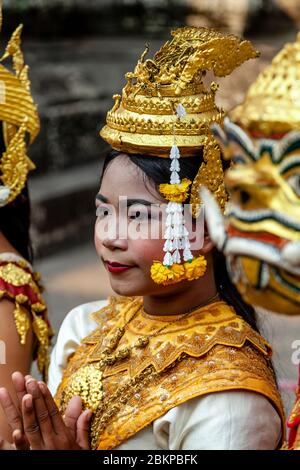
{"points": [[271, 107], [166, 106], [142, 119], [18, 114]]}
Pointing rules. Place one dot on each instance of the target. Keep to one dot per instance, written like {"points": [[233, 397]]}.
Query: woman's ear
{"points": [[207, 245], [207, 242]]}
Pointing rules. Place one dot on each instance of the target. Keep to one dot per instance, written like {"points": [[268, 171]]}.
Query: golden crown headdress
{"points": [[142, 119], [19, 116], [271, 107], [166, 111]]}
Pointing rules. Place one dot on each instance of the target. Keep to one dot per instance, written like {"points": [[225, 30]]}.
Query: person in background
{"points": [[24, 328]]}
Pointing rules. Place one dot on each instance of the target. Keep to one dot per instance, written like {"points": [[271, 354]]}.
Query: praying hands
{"points": [[36, 422]]}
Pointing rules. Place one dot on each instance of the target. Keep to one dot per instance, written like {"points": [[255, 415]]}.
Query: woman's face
{"points": [[129, 229]]}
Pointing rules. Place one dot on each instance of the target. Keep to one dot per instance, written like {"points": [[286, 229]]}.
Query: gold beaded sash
{"points": [[209, 351]]}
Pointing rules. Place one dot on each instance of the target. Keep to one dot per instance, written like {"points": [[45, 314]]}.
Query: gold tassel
{"points": [[22, 321]]}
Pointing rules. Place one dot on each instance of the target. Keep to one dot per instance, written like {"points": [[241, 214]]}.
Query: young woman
{"points": [[174, 362], [24, 330]]}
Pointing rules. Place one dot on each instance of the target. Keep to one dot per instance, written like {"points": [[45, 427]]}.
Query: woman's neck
{"points": [[187, 296]]}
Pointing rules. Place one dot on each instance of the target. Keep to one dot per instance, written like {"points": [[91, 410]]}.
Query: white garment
{"points": [[223, 420], [14, 258]]}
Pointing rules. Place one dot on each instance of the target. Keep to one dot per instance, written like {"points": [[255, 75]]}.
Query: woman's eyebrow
{"points": [[131, 202], [101, 198]]}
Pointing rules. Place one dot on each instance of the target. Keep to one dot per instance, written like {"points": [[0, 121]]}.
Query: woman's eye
{"points": [[139, 215], [102, 212], [294, 182]]}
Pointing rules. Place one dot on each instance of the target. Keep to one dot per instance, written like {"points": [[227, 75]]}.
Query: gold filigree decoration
{"points": [[22, 322], [27, 314], [192, 105], [18, 114], [271, 104], [41, 330], [86, 383], [14, 275], [13, 49], [211, 175], [165, 126], [15, 164], [162, 374]]}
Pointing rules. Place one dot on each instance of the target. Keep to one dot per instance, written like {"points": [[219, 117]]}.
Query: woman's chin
{"points": [[122, 288]]}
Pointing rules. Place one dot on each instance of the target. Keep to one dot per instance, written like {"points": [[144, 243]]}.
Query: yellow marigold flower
{"points": [[163, 275], [176, 192], [196, 268]]}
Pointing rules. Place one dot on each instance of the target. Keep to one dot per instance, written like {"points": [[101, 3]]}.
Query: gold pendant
{"points": [[86, 383]]}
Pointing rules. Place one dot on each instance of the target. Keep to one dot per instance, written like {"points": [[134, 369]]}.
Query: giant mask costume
{"points": [[260, 233]]}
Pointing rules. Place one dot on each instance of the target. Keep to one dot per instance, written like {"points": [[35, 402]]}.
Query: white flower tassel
{"points": [[175, 178], [176, 257], [174, 152], [168, 246], [168, 261], [180, 111], [4, 195], [175, 165], [176, 234]]}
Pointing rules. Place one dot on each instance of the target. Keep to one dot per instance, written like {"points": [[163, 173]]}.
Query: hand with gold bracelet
{"points": [[37, 423]]}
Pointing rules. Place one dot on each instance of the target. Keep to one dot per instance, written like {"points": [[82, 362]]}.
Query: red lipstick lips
{"points": [[115, 268]]}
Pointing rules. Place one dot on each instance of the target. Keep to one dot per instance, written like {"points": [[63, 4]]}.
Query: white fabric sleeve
{"points": [[76, 326], [230, 420]]}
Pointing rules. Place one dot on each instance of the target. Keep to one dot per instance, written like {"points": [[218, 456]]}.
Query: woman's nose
{"points": [[114, 237], [114, 243]]}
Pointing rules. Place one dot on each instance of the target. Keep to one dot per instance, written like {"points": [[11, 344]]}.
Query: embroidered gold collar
{"points": [[194, 334], [210, 350]]}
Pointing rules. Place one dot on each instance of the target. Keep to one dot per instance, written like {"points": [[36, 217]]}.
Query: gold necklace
{"points": [[108, 358]]}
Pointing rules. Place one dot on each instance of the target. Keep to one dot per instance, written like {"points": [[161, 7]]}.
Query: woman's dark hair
{"points": [[158, 170], [15, 219]]}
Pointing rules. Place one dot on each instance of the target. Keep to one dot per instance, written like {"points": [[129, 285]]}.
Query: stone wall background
{"points": [[66, 18]]}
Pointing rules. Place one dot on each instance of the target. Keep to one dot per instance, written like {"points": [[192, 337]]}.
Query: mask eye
{"points": [[239, 160], [294, 182]]}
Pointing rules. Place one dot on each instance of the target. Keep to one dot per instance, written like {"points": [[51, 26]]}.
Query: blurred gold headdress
{"points": [[166, 111], [18, 114], [261, 233], [271, 108]]}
